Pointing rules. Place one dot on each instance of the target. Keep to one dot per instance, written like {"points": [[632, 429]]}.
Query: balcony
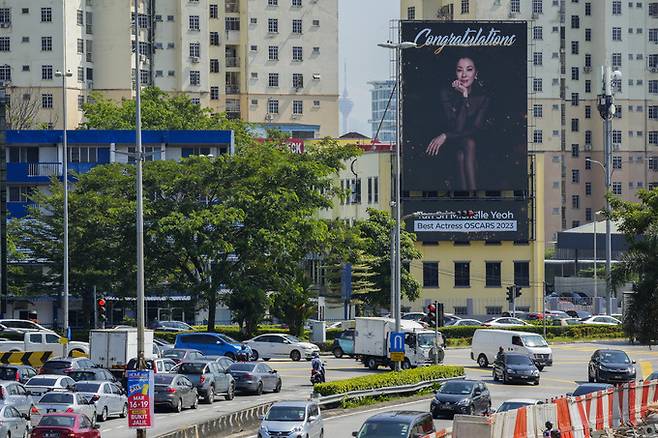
{"points": [[41, 173], [232, 89], [18, 209], [232, 6], [232, 61]]}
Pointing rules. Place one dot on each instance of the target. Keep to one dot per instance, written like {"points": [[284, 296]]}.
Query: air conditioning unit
{"points": [[5, 25], [194, 59], [587, 69], [588, 146], [316, 76]]}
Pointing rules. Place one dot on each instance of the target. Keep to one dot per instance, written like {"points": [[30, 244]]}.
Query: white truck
{"points": [[371, 343], [112, 349], [44, 341]]}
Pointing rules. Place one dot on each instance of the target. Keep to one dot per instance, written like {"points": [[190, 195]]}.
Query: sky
{"points": [[363, 24]]}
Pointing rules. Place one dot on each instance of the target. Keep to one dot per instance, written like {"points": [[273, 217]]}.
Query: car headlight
{"points": [[264, 429], [535, 372], [297, 428], [510, 371], [464, 402], [631, 370]]}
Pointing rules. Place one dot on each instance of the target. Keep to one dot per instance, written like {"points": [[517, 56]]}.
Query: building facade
{"points": [[271, 62], [569, 41], [383, 107]]}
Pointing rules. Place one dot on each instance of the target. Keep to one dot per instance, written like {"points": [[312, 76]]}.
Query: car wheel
{"points": [[483, 362], [537, 382], [338, 352], [278, 386], [372, 364], [103, 415], [435, 414], [405, 364], [179, 405], [259, 389], [295, 355], [230, 395], [254, 355], [124, 412], [195, 404], [210, 396], [230, 356]]}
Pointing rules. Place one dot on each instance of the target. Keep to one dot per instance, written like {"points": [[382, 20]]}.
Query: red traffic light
{"points": [[101, 302], [431, 308]]}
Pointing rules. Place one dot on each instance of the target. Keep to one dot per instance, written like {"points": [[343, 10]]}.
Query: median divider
{"points": [[32, 358]]}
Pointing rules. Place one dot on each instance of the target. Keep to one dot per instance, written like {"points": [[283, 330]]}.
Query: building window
{"points": [[575, 176], [653, 86], [214, 38], [465, 6], [588, 9], [411, 13], [81, 74], [537, 58], [83, 154], [194, 22], [537, 136], [214, 93], [616, 188], [575, 22], [588, 60], [232, 23], [538, 110], [575, 150], [272, 25], [574, 47], [616, 162], [588, 189], [537, 85], [5, 44], [522, 274], [296, 3], [273, 80], [214, 66], [588, 34], [273, 53], [298, 107], [537, 33], [588, 137], [574, 125], [297, 81], [297, 54], [5, 73], [195, 77], [430, 274], [537, 6], [46, 72], [575, 201], [515, 6], [588, 88], [653, 137], [195, 50], [47, 100], [462, 274], [616, 34], [575, 73], [47, 44], [616, 136], [588, 111], [297, 26], [373, 190], [214, 11], [575, 99], [272, 2], [80, 46], [653, 112], [493, 274], [273, 106], [616, 7], [653, 35], [46, 15]]}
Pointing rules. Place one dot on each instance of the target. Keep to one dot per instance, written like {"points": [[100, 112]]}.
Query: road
{"points": [[569, 370]]}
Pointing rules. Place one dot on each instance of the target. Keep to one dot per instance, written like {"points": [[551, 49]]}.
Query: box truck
{"points": [[112, 348]]}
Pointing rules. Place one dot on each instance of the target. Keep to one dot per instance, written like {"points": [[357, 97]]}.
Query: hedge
{"points": [[405, 377], [572, 331]]}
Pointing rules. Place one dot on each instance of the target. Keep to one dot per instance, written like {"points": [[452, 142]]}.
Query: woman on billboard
{"points": [[464, 107]]}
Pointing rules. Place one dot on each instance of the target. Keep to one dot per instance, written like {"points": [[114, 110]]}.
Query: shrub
{"points": [[405, 377], [572, 331]]}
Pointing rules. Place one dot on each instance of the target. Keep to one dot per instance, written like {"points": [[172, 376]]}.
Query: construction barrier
{"points": [[33, 358]]}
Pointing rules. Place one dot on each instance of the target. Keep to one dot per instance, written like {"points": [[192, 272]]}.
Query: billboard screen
{"points": [[464, 113]]}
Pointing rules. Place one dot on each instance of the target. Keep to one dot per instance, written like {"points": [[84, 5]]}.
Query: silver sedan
{"points": [[60, 401], [110, 399], [13, 423]]}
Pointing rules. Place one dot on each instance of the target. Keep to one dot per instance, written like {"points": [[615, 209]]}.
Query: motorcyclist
{"points": [[549, 432], [501, 354], [243, 354], [317, 365]]}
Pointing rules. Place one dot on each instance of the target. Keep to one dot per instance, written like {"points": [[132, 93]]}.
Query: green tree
{"points": [[639, 223], [293, 303]]}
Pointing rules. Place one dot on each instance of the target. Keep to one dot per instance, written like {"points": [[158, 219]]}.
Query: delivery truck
{"points": [[112, 348], [371, 343]]}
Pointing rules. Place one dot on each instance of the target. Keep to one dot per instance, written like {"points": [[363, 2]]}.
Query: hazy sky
{"points": [[363, 24]]}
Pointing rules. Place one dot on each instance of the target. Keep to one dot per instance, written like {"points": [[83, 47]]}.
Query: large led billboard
{"points": [[464, 130]]}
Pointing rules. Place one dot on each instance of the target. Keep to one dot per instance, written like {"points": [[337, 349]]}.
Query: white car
{"points": [[268, 346], [467, 322], [505, 321], [515, 403], [601, 320], [43, 383]]}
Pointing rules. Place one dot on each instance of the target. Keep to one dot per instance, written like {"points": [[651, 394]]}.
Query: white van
{"points": [[486, 343]]}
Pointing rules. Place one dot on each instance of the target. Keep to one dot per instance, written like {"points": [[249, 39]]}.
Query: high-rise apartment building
{"points": [[383, 107], [569, 41], [270, 62]]}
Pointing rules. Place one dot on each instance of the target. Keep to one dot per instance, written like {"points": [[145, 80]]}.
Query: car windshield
{"points": [[57, 397], [82, 375], [41, 381], [455, 387], [426, 339], [517, 359], [191, 368], [510, 406], [384, 429], [241, 367], [292, 338], [8, 373], [286, 413], [534, 341], [176, 354], [57, 421], [87, 387], [614, 357], [163, 379], [227, 339]]}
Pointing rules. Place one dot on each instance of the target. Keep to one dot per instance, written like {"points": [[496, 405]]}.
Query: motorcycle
{"points": [[317, 377]]}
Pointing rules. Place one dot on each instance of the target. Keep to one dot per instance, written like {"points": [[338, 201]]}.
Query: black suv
{"points": [[19, 373], [515, 367], [91, 374], [610, 366], [402, 424]]}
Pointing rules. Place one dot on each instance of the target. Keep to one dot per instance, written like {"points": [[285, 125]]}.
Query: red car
{"points": [[69, 425]]}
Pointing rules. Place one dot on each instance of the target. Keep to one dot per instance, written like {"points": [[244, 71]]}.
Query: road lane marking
{"points": [[646, 367]]}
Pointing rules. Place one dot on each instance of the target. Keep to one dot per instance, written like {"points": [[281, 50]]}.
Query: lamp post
{"points": [[65, 173], [398, 47]]}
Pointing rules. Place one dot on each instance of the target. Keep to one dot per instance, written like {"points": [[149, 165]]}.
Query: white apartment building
{"points": [[270, 62], [383, 110], [569, 41]]}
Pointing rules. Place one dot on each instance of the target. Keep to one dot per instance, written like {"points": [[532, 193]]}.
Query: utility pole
{"points": [[436, 333], [4, 100]]}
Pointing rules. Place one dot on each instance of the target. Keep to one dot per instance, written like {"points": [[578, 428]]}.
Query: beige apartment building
{"points": [[270, 62], [569, 41]]}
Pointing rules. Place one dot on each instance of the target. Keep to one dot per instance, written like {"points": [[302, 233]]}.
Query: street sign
{"points": [[140, 399], [396, 344], [397, 357]]}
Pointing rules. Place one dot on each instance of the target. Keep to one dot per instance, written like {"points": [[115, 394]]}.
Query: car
{"points": [[91, 374], [564, 322], [73, 425], [469, 397], [304, 417], [344, 344], [271, 345], [180, 354], [504, 322], [465, 322], [580, 314], [164, 345], [211, 344], [159, 365], [224, 361], [210, 378], [414, 316], [607, 366], [335, 325], [63, 365], [652, 376], [13, 423], [523, 316], [16, 395], [175, 391], [515, 403], [588, 388], [23, 325], [515, 367], [486, 345], [398, 424], [42, 383], [65, 401], [449, 318], [601, 320], [171, 326], [255, 377], [556, 314], [110, 398], [19, 373]]}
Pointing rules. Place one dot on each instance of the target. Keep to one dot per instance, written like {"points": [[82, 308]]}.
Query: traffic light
{"points": [[511, 290], [517, 291], [101, 310], [430, 318]]}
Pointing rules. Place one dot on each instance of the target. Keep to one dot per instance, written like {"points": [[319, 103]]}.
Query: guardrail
{"points": [[402, 389]]}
